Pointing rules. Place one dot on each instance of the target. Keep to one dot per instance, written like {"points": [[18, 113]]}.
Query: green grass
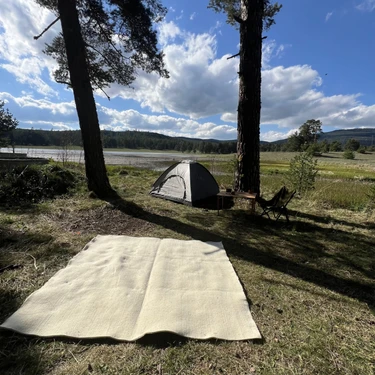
{"points": [[338, 184], [310, 283]]}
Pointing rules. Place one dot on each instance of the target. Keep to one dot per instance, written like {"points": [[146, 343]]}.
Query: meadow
{"points": [[310, 283]]}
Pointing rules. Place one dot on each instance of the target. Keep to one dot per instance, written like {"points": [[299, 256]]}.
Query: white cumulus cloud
{"points": [[46, 114], [366, 6], [20, 21], [202, 84], [168, 31], [271, 136], [168, 125]]}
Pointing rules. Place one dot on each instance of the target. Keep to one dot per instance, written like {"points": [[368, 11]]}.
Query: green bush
{"points": [[371, 196], [302, 172], [348, 154], [335, 146], [314, 149], [31, 184], [352, 144]]}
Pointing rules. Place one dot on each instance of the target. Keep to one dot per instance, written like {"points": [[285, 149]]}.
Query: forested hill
{"points": [[126, 139], [154, 141], [366, 137]]}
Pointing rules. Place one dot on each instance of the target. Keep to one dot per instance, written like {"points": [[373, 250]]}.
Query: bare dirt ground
{"points": [[104, 220]]}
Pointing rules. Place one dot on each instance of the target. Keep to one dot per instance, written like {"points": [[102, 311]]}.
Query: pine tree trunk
{"points": [[97, 179], [249, 104]]}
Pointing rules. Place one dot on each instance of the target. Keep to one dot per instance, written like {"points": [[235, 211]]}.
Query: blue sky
{"points": [[317, 63]]}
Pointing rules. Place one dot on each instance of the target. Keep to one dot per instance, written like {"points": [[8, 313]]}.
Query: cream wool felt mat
{"points": [[125, 287]]}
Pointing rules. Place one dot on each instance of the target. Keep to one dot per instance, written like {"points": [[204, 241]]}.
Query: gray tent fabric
{"points": [[186, 182]]}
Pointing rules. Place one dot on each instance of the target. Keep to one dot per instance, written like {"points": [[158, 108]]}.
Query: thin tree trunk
{"points": [[97, 179], [249, 104]]}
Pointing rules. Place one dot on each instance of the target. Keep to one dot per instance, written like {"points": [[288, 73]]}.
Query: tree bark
{"points": [[97, 179], [249, 105]]}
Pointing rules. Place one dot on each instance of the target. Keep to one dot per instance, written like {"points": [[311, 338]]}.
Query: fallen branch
{"points": [[73, 356], [35, 266], [22, 172], [24, 253]]}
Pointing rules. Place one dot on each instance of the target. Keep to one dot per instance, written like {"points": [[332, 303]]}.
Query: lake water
{"points": [[149, 160]]}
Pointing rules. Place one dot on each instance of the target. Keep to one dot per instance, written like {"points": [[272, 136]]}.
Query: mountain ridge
{"points": [[134, 139]]}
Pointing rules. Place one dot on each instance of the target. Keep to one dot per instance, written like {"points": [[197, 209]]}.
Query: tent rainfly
{"points": [[185, 182]]}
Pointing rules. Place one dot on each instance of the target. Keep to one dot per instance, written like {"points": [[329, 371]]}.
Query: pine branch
{"points": [[109, 40], [108, 97], [238, 19], [70, 85], [99, 53], [231, 57], [47, 28], [64, 82]]}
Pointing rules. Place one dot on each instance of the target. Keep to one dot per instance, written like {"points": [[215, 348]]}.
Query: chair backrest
{"points": [[285, 198], [273, 201], [277, 197]]}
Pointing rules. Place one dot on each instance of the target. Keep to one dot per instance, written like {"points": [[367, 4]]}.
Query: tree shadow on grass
{"points": [[18, 354], [22, 354], [301, 239], [290, 249], [29, 354], [329, 219]]}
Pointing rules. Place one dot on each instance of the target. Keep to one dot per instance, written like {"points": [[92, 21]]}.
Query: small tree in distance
{"points": [[352, 145], [310, 131], [307, 135], [7, 124], [335, 146], [348, 154], [302, 172]]}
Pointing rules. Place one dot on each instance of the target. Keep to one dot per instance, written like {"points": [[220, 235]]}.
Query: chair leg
{"points": [[265, 212], [286, 215], [283, 211]]}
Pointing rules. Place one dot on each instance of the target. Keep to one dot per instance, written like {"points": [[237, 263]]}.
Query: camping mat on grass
{"points": [[125, 287]]}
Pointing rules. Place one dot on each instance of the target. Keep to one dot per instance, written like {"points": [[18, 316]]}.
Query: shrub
{"points": [[335, 146], [352, 144], [31, 184], [302, 172], [314, 149], [371, 196], [348, 154], [362, 150]]}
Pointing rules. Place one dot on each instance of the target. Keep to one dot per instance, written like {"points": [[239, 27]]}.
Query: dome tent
{"points": [[186, 182]]}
